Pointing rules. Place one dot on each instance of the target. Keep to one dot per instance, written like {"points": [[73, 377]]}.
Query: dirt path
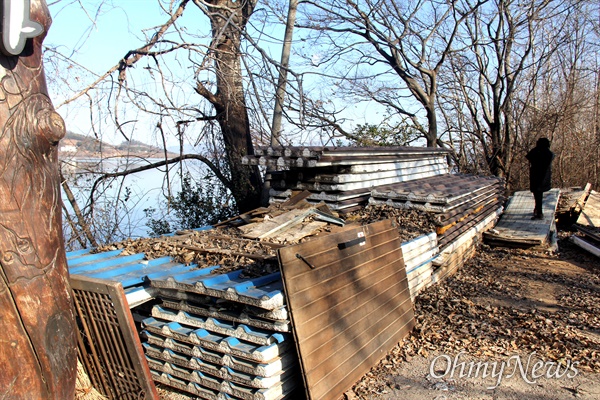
{"points": [[508, 309]]}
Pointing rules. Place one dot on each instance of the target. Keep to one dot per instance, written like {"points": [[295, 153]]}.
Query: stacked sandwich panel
{"points": [[458, 202], [419, 255], [343, 177], [221, 336], [462, 247]]}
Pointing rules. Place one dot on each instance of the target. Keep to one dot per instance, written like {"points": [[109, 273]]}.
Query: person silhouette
{"points": [[540, 173]]}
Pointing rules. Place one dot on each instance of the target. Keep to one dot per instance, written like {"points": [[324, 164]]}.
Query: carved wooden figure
{"points": [[38, 355]]}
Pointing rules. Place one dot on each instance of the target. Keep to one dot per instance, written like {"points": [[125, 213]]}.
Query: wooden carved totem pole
{"points": [[38, 355]]}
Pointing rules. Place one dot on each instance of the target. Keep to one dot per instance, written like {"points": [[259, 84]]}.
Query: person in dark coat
{"points": [[540, 173]]}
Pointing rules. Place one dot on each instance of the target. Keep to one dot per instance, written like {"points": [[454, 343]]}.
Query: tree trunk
{"points": [[38, 347], [228, 19], [432, 135]]}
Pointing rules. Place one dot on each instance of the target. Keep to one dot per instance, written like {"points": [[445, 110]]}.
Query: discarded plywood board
{"points": [[580, 203], [590, 214], [517, 229], [108, 343], [281, 224], [349, 302]]}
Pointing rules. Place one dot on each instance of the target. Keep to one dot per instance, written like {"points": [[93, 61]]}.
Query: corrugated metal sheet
{"points": [[447, 189], [264, 292], [131, 271], [349, 302]]}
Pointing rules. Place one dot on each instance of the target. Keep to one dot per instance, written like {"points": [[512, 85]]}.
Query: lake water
{"points": [[120, 203]]}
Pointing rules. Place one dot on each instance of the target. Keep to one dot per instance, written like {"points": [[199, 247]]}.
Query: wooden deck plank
{"points": [[516, 226]]}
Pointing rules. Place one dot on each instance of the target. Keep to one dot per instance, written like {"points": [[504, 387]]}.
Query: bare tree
{"points": [[393, 50], [502, 42], [228, 20], [190, 83], [214, 68]]}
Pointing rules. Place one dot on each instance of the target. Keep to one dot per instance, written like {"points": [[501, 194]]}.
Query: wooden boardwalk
{"points": [[517, 229]]}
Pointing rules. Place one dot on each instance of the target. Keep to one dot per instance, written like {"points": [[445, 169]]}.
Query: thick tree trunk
{"points": [[432, 125], [228, 19], [38, 347]]}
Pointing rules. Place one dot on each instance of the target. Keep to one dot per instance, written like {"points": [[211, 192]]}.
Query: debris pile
{"points": [[410, 223], [218, 323]]}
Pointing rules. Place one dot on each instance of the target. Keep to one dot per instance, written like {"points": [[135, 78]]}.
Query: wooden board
{"points": [[349, 302], [516, 228], [590, 215], [108, 343]]}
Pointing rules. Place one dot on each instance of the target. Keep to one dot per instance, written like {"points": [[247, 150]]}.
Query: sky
{"points": [[96, 34]]}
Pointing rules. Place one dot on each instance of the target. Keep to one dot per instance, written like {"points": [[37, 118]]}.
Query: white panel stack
{"points": [[343, 177], [419, 255]]}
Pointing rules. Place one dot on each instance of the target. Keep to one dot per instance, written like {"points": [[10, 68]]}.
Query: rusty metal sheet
{"points": [[349, 302], [463, 226], [108, 343]]}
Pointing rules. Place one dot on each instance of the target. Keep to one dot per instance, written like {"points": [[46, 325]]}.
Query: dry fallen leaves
{"points": [[485, 311]]}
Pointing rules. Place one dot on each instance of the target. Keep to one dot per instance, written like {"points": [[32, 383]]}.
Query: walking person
{"points": [[540, 173]]}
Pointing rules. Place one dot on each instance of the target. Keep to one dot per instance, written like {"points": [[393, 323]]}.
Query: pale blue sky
{"points": [[96, 33], [101, 33]]}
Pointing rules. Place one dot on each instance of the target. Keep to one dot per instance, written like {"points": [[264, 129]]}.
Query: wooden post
{"points": [[37, 324]]}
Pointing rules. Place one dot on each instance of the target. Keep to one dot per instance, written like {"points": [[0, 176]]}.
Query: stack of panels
{"points": [[419, 255], [458, 202], [284, 158], [221, 336], [462, 248], [343, 177]]}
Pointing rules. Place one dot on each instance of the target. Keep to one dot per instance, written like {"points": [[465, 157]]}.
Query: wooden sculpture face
{"points": [[38, 352]]}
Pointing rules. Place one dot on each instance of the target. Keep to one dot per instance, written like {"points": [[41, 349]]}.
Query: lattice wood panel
{"points": [[108, 343]]}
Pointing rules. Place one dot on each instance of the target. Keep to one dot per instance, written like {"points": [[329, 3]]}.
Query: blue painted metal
{"points": [[92, 257], [77, 253], [108, 262]]}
